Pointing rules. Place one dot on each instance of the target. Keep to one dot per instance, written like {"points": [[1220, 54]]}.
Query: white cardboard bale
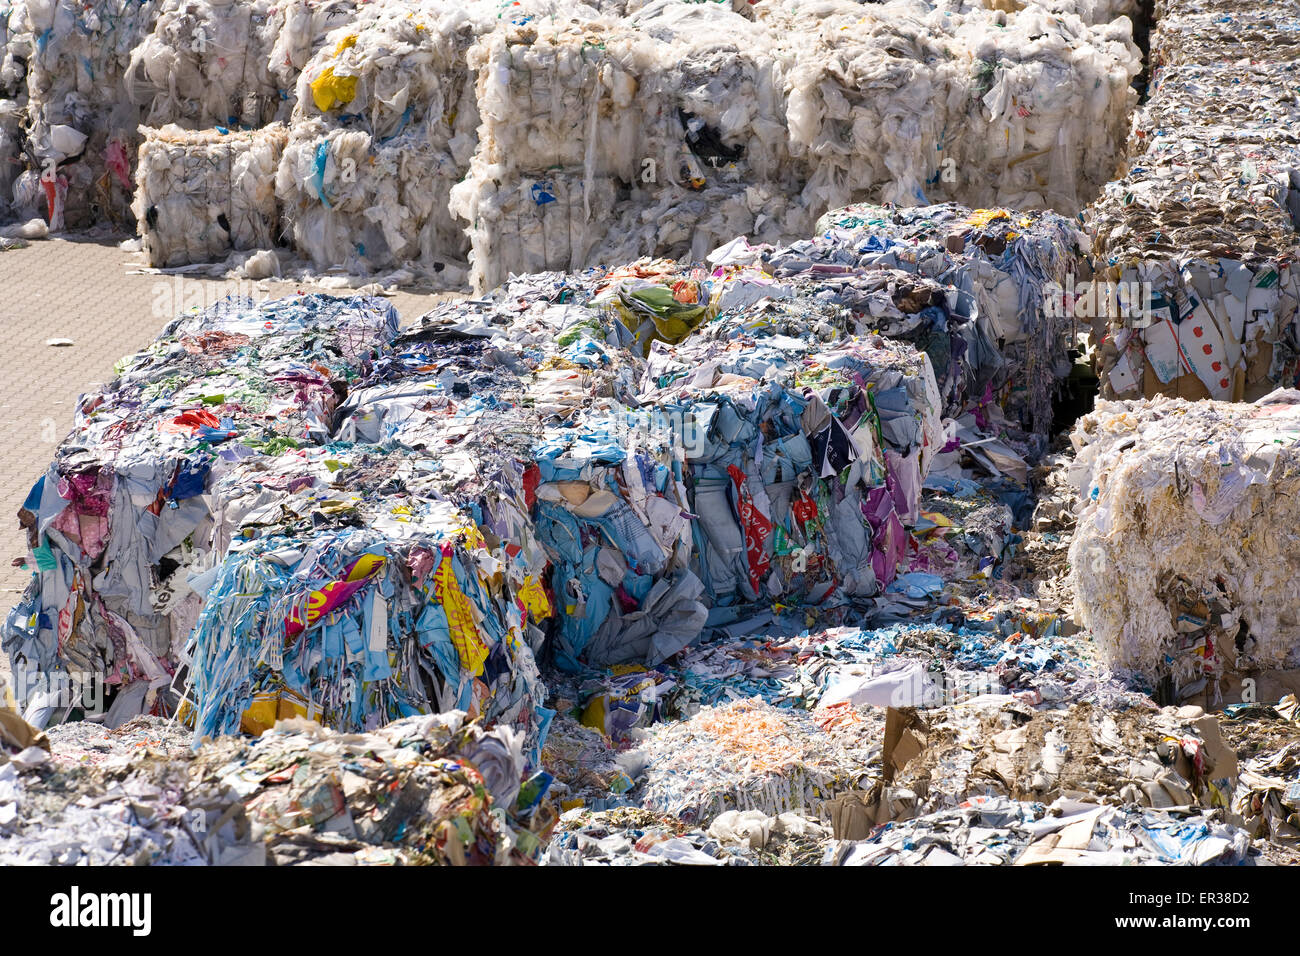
{"points": [[200, 195], [1184, 503]]}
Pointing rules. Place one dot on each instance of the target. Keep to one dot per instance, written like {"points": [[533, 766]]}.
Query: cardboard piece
{"points": [[855, 815], [17, 734]]}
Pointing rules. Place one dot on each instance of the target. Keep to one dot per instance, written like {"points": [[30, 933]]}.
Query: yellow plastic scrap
{"points": [[347, 43], [270, 706], [535, 599], [938, 518], [330, 91], [460, 618], [982, 217], [473, 537]]}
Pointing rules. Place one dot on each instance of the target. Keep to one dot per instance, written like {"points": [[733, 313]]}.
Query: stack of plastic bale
{"points": [[80, 128], [217, 68], [902, 102], [997, 332], [560, 383], [121, 515], [383, 127], [1181, 562], [434, 459], [831, 297], [1198, 240], [753, 469], [574, 386], [200, 195], [605, 139]]}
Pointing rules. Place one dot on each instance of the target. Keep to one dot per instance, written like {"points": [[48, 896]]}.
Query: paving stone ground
{"points": [[80, 289]]}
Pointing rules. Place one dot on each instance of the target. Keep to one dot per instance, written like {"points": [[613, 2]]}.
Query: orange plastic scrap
{"points": [[745, 728], [838, 715]]}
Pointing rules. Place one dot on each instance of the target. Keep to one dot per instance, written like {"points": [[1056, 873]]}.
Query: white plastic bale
{"points": [[900, 102], [534, 225], [540, 225], [383, 127], [830, 102], [397, 75], [1090, 11], [202, 194], [678, 109], [303, 27], [10, 152], [75, 58], [13, 101], [352, 204], [216, 62]]}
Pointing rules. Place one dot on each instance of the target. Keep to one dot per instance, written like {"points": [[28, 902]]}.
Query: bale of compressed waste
{"points": [[120, 517], [1196, 294], [1181, 562], [201, 195], [998, 333]]}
